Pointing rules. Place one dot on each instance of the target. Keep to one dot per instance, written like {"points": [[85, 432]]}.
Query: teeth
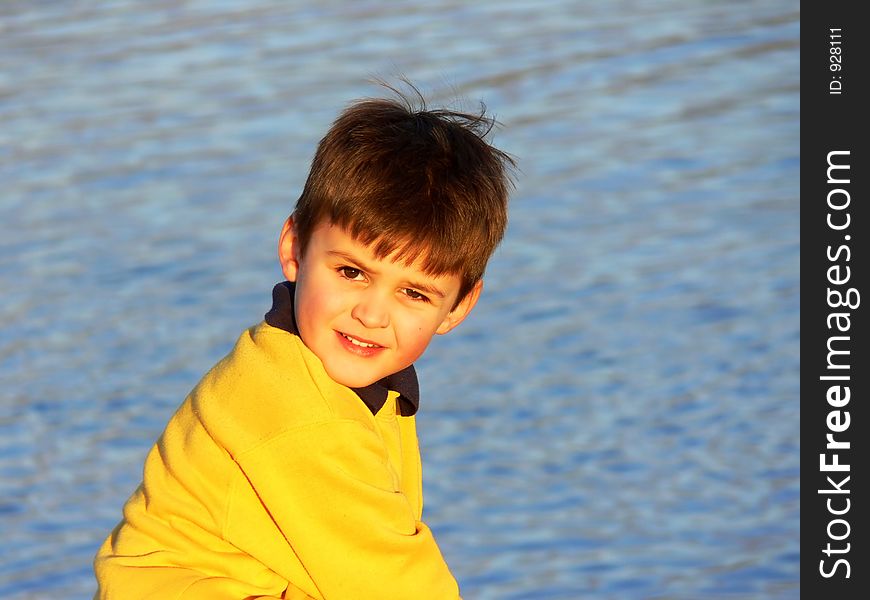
{"points": [[357, 342]]}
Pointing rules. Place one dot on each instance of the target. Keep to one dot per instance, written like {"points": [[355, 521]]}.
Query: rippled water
{"points": [[619, 417]]}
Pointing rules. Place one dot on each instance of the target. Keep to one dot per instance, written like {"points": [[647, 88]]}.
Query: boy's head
{"points": [[389, 240]]}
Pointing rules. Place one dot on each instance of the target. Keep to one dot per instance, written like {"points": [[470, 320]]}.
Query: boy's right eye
{"points": [[350, 272]]}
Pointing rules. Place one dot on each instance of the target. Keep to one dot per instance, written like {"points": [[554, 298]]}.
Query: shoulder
{"points": [[270, 383]]}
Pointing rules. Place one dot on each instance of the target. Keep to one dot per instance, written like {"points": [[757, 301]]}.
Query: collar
{"points": [[282, 315]]}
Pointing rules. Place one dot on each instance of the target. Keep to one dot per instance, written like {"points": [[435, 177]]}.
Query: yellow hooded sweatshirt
{"points": [[274, 481]]}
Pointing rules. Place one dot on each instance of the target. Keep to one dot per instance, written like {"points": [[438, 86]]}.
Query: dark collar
{"points": [[374, 396]]}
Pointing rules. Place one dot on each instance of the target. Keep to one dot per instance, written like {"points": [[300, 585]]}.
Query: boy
{"points": [[292, 469]]}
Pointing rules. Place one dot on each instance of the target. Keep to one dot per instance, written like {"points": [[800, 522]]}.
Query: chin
{"points": [[351, 381]]}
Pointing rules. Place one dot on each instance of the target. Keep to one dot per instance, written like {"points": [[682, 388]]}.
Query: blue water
{"points": [[618, 418]]}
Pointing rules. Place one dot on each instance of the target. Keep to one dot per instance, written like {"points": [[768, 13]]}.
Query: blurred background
{"points": [[619, 416]]}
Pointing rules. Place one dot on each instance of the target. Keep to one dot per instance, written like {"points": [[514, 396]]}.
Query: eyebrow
{"points": [[423, 287], [432, 291]]}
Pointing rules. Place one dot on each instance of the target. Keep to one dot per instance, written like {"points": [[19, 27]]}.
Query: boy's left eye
{"points": [[415, 295]]}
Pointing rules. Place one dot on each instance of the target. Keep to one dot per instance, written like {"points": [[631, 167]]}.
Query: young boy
{"points": [[292, 469]]}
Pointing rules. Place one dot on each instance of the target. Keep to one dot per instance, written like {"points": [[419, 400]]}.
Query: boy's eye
{"points": [[350, 272], [415, 295]]}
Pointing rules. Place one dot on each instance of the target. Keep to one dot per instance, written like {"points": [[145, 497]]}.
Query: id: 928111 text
{"points": [[835, 58]]}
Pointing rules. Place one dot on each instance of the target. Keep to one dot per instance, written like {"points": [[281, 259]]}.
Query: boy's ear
{"points": [[288, 250], [458, 314]]}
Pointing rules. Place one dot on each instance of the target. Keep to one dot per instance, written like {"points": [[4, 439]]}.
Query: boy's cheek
{"points": [[316, 294], [415, 339]]}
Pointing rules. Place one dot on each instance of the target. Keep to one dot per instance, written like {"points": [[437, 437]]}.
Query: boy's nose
{"points": [[370, 312]]}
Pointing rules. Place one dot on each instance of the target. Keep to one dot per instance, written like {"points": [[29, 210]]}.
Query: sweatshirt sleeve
{"points": [[170, 544], [336, 501]]}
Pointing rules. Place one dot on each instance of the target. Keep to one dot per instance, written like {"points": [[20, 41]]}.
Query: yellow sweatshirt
{"points": [[274, 481]]}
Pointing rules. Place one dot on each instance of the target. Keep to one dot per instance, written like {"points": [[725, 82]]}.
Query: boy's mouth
{"points": [[358, 342]]}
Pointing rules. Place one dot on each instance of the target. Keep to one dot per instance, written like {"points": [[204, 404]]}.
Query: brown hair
{"points": [[414, 182]]}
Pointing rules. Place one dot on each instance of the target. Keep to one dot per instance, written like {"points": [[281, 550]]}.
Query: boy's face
{"points": [[364, 317]]}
